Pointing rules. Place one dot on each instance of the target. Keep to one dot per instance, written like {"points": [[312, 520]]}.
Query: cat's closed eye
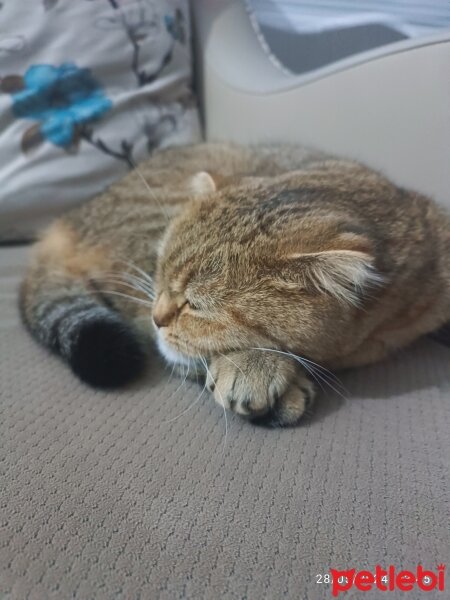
{"points": [[193, 306]]}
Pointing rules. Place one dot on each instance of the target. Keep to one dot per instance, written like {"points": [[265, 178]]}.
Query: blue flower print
{"points": [[62, 99], [175, 26]]}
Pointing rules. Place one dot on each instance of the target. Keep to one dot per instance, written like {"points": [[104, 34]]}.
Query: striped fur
{"points": [[217, 250]]}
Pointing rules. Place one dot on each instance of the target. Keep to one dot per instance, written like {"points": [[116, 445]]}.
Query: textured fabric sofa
{"points": [[147, 493]]}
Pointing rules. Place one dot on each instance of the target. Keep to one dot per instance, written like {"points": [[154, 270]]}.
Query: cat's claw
{"points": [[267, 389]]}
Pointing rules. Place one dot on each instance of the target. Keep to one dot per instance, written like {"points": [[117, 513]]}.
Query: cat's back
{"points": [[158, 186], [155, 191]]}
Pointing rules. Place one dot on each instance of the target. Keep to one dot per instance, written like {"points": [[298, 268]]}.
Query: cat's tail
{"points": [[102, 348], [442, 335]]}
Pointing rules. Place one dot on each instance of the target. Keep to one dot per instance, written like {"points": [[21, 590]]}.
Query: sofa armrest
{"points": [[389, 108]]}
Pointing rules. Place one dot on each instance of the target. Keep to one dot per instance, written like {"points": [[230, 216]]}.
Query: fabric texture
{"points": [[124, 495], [87, 89]]}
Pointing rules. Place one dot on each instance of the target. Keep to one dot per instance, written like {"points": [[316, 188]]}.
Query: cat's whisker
{"points": [[196, 375], [314, 376], [339, 388], [323, 371], [208, 372], [316, 373], [188, 366], [233, 363], [151, 192], [132, 282], [146, 283], [118, 281], [128, 297], [185, 374], [319, 377], [171, 372], [189, 407], [145, 275], [141, 287], [308, 365]]}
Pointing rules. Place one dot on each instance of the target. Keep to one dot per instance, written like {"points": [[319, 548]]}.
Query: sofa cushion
{"points": [[87, 89]]}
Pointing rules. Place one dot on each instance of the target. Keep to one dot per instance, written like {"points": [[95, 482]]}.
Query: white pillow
{"points": [[88, 87]]}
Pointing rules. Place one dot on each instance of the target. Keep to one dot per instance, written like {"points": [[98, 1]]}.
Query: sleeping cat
{"points": [[250, 265]]}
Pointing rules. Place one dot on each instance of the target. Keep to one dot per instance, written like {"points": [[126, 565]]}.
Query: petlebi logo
{"points": [[388, 579]]}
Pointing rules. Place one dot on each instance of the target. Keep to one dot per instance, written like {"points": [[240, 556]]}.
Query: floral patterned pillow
{"points": [[88, 88]]}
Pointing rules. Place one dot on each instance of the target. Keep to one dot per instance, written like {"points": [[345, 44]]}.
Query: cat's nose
{"points": [[161, 320], [164, 311]]}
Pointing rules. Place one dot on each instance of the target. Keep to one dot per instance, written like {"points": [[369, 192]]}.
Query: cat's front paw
{"points": [[269, 389]]}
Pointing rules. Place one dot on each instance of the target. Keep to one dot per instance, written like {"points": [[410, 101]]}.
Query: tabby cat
{"points": [[251, 265]]}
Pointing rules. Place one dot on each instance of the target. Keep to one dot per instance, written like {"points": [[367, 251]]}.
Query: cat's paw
{"points": [[268, 389]]}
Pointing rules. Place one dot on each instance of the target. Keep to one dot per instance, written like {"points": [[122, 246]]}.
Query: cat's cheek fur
{"points": [[170, 354]]}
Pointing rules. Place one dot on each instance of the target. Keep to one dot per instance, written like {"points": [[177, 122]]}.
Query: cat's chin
{"points": [[170, 354]]}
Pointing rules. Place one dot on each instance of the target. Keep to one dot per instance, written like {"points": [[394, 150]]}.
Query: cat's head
{"points": [[254, 266]]}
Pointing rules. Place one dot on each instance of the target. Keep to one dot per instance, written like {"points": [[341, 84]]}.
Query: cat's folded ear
{"points": [[202, 183], [348, 275]]}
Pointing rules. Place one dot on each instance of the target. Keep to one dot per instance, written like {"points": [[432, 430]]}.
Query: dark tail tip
{"points": [[442, 335], [107, 353]]}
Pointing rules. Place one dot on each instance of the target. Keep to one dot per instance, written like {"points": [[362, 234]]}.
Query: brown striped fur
{"points": [[278, 247]]}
